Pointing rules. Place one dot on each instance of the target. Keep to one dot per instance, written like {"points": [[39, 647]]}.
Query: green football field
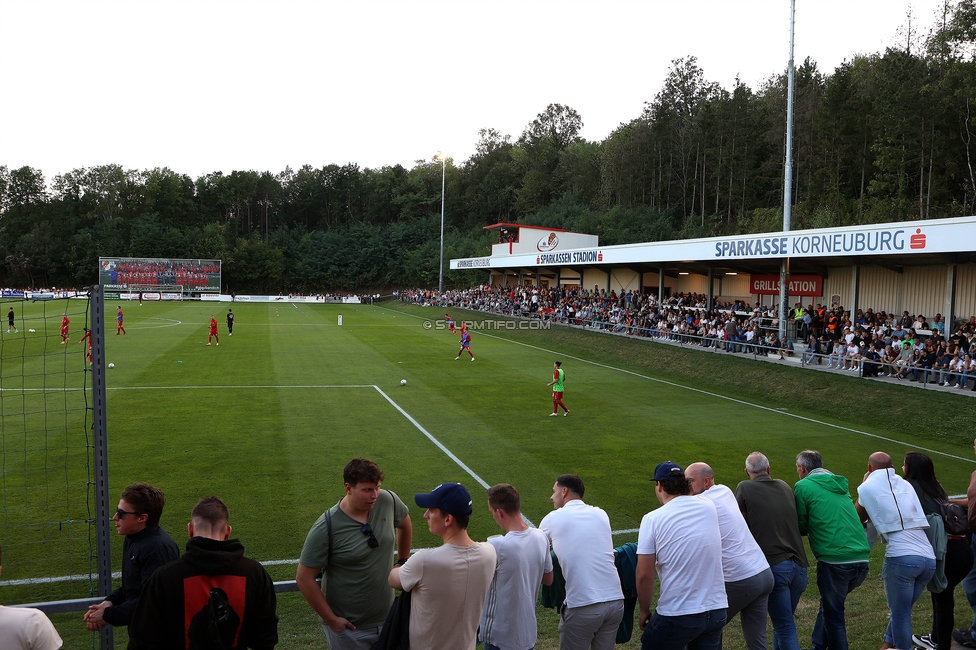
{"points": [[267, 420]]}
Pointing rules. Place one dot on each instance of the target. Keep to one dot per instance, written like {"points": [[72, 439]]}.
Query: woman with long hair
{"points": [[920, 472]]}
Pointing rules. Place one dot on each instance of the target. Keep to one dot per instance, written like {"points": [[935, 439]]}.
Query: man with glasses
{"points": [[146, 548], [351, 545]]}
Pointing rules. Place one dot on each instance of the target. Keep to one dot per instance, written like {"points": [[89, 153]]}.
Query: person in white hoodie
{"points": [[893, 508]]}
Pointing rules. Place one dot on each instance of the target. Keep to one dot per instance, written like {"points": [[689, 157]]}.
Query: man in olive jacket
{"points": [[827, 517]]}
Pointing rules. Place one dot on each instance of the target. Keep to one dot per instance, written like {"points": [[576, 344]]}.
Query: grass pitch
{"points": [[267, 419]]}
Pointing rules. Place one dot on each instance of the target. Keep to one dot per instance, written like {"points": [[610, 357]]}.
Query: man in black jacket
{"points": [[212, 597], [146, 548]]}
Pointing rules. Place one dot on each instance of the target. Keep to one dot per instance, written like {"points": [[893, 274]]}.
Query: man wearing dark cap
{"points": [[581, 539], [448, 583], [681, 543]]}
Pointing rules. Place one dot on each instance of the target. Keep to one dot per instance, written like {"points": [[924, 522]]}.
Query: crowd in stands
{"points": [[869, 343]]}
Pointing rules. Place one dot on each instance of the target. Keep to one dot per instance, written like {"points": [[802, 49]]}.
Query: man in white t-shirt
{"points": [[508, 619], [26, 628], [748, 578], [681, 543], [581, 539], [448, 583]]}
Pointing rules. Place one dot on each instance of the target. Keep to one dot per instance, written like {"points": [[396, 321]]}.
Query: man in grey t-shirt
{"points": [[352, 545]]}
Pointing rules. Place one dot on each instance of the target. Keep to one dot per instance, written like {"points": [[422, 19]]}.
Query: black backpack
{"points": [[215, 626]]}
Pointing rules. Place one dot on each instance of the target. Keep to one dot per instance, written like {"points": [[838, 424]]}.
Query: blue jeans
{"points": [[835, 581], [790, 581], [904, 578], [693, 631]]}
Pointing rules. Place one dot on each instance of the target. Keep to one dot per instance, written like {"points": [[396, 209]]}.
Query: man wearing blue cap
{"points": [[448, 583], [682, 544]]}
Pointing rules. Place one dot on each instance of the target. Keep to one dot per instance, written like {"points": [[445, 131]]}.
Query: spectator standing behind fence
{"points": [[892, 506], [770, 511], [212, 597], [826, 515], [919, 471], [26, 628], [352, 544], [523, 563], [747, 577], [448, 583], [146, 548], [680, 542], [581, 539]]}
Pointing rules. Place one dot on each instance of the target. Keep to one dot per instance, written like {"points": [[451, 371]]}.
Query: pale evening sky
{"points": [[214, 85]]}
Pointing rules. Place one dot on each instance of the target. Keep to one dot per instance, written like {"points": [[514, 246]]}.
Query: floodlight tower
{"points": [[784, 269]]}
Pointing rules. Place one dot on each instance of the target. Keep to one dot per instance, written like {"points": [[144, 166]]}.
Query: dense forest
{"points": [[884, 137]]}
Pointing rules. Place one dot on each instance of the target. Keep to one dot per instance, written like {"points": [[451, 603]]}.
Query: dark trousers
{"points": [[958, 562]]}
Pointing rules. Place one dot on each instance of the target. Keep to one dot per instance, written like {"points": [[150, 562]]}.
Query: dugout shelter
{"points": [[925, 267]]}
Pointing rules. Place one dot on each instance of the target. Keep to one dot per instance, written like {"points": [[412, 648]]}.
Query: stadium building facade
{"points": [[924, 267]]}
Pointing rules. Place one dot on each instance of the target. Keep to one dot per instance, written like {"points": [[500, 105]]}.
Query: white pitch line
{"points": [[434, 440], [716, 395]]}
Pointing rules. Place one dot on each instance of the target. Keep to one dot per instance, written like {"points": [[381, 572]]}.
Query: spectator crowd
{"points": [[868, 343], [714, 552]]}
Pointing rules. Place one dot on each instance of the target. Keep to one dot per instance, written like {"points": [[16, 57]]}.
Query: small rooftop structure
{"points": [[519, 239]]}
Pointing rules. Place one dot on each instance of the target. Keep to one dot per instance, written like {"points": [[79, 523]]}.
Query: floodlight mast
{"points": [[441, 156], [784, 268]]}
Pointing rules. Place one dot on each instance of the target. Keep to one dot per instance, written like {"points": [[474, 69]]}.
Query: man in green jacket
{"points": [[827, 517]]}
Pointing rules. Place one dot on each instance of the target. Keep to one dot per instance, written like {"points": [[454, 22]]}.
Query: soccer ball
{"points": [[111, 365], [403, 382]]}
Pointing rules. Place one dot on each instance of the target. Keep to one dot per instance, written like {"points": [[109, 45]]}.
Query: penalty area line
{"points": [[434, 440]]}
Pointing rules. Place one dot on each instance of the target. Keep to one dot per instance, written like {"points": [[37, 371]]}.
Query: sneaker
{"points": [[946, 384], [218, 343], [472, 358], [566, 413], [964, 637], [924, 641], [456, 358], [207, 343], [552, 415]]}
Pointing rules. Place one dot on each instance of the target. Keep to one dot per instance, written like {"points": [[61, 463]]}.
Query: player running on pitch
{"points": [[87, 337], [558, 377], [65, 322], [465, 345], [119, 318], [450, 323], [213, 331]]}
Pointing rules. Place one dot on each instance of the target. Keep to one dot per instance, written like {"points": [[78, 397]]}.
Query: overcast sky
{"points": [[208, 85]]}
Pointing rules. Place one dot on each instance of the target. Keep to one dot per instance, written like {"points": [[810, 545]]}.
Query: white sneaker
{"points": [[472, 358], [456, 358], [566, 413], [552, 415]]}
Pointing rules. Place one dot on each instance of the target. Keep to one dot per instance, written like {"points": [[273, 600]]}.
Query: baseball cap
{"points": [[667, 470], [452, 498]]}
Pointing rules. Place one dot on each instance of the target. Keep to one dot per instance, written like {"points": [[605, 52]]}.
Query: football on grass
{"points": [[403, 382], [111, 365]]}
